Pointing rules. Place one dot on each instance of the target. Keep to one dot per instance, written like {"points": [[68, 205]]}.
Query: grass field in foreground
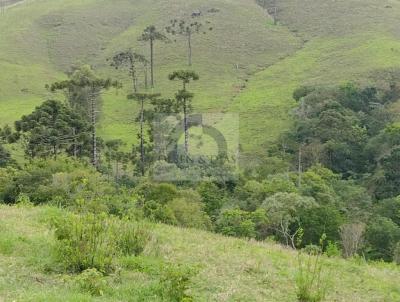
{"points": [[229, 269]]}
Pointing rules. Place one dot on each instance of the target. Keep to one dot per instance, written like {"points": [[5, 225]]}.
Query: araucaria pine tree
{"points": [[188, 30], [150, 34], [184, 98], [142, 98], [129, 59], [90, 87]]}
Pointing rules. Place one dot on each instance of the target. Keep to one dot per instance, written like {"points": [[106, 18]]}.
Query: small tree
{"points": [[113, 153], [187, 30], [7, 136], [351, 236], [150, 34], [284, 210], [129, 58], [184, 98], [142, 98], [5, 157]]}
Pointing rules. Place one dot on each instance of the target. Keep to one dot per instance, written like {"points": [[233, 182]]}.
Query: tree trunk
{"points": [[75, 149], [92, 97], [116, 170], [300, 168], [133, 74], [185, 126], [141, 137], [190, 48], [145, 76], [152, 62]]}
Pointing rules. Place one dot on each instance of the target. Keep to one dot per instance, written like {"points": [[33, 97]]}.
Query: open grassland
{"points": [[44, 38], [247, 65], [228, 269]]}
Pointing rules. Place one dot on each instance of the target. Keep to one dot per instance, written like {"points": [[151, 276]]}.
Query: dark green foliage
{"points": [[8, 136], [391, 167], [301, 92], [389, 208], [83, 84], [117, 160], [64, 182], [5, 157], [320, 220], [186, 76], [213, 198], [54, 128], [381, 235], [333, 127]]}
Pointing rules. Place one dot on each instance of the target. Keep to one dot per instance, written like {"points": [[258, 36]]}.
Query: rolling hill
{"points": [[247, 65], [228, 269]]}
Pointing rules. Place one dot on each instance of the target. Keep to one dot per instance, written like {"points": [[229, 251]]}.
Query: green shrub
{"points": [[132, 237], [236, 222], [212, 197], [175, 282], [92, 281], [312, 249], [332, 250], [158, 192], [85, 241], [311, 286], [157, 212], [189, 214]]}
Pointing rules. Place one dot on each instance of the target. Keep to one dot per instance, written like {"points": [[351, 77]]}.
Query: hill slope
{"points": [[229, 269], [247, 65]]}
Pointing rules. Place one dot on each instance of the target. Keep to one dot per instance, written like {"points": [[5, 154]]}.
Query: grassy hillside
{"points": [[229, 269], [44, 38], [247, 65], [343, 41]]}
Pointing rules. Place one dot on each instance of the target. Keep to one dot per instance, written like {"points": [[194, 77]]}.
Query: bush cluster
{"points": [[93, 241]]}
